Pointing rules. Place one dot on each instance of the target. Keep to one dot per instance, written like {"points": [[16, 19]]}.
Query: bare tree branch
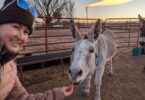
{"points": [[54, 8]]}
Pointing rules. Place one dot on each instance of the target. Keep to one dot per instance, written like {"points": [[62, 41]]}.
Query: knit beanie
{"points": [[14, 14]]}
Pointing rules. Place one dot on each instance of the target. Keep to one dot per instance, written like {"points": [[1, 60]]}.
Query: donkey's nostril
{"points": [[80, 72]]}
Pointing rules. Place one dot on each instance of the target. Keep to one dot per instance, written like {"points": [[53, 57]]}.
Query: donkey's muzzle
{"points": [[75, 76], [79, 73], [76, 83]]}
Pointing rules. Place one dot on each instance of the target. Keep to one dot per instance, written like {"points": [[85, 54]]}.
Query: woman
{"points": [[15, 26]]}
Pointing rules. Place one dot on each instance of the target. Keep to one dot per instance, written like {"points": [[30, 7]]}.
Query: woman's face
{"points": [[14, 36]]}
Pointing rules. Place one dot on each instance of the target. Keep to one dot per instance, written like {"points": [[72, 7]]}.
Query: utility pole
{"points": [[87, 14]]}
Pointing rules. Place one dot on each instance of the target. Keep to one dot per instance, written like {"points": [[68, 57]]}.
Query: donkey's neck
{"points": [[101, 51], [99, 44]]}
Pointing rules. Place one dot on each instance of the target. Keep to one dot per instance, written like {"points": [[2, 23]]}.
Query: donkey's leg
{"points": [[86, 85], [144, 49], [110, 67], [98, 82]]}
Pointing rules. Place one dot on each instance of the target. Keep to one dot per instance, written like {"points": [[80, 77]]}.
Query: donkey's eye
{"points": [[73, 49]]}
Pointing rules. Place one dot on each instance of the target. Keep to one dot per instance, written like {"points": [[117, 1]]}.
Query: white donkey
{"points": [[90, 55]]}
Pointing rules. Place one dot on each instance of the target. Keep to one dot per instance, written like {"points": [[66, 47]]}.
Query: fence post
{"points": [[129, 24], [46, 51]]}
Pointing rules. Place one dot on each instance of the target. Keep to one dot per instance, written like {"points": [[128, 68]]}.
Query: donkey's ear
{"points": [[96, 30], [75, 31], [140, 18]]}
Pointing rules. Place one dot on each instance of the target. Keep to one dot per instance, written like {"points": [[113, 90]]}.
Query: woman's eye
{"points": [[16, 26], [27, 32]]}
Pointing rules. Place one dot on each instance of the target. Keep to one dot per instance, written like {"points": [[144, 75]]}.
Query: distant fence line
{"points": [[126, 29]]}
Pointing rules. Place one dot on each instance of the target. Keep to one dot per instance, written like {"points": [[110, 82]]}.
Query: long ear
{"points": [[141, 20], [95, 31], [75, 31]]}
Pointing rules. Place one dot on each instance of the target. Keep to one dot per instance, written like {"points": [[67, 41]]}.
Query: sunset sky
{"points": [[108, 8]]}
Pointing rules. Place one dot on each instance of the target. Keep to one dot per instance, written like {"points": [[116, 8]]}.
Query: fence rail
{"points": [[49, 39], [55, 41], [128, 27]]}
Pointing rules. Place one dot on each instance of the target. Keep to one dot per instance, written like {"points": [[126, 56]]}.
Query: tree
{"points": [[54, 8], [69, 9]]}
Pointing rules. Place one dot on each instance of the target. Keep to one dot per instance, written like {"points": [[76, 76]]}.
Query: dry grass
{"points": [[127, 83]]}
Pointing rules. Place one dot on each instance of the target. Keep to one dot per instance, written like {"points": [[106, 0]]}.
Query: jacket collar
{"points": [[5, 56]]}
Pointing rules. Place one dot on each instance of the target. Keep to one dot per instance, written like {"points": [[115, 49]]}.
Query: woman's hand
{"points": [[68, 90]]}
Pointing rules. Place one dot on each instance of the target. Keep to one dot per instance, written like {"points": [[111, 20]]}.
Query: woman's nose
{"points": [[21, 37]]}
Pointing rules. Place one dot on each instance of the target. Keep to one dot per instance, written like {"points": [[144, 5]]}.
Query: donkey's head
{"points": [[83, 52], [142, 30]]}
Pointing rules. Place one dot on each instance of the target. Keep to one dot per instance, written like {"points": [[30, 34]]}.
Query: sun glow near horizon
{"points": [[108, 3]]}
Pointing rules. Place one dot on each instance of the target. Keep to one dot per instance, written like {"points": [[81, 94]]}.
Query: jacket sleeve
{"points": [[19, 93]]}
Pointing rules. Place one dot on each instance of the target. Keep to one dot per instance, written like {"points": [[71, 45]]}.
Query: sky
{"points": [[129, 9], [1, 3], [108, 8]]}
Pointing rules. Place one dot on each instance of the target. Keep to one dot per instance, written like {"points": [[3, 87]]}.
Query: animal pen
{"points": [[48, 44]]}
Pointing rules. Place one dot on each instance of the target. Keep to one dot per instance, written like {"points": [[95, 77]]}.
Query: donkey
{"points": [[142, 33], [89, 56]]}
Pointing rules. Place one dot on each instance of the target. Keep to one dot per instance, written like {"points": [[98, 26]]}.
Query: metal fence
{"points": [[58, 38], [126, 31]]}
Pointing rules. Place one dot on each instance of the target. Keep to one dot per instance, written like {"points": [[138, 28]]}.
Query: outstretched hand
{"points": [[68, 90]]}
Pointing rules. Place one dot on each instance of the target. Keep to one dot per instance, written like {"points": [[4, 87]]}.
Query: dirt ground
{"points": [[127, 83]]}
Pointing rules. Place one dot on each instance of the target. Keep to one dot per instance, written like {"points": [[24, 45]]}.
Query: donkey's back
{"points": [[108, 39]]}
